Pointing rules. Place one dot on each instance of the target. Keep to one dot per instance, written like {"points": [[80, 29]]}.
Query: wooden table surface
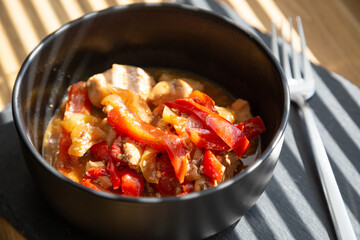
{"points": [[332, 29]]}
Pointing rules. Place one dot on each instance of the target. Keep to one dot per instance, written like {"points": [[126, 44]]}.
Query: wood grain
{"points": [[7, 232], [332, 29]]}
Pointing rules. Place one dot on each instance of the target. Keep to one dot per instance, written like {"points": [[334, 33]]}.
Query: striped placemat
{"points": [[293, 205]]}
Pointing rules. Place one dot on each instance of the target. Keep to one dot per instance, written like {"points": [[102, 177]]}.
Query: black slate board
{"points": [[20, 201], [292, 206]]}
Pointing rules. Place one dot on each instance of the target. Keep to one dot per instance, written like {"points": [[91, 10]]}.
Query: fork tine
{"points": [[274, 41], [295, 63], [285, 59], [305, 60]]}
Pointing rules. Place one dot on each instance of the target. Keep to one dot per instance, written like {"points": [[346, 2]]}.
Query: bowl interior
{"points": [[165, 36]]}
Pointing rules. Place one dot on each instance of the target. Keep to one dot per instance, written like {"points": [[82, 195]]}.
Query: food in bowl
{"points": [[151, 133]]}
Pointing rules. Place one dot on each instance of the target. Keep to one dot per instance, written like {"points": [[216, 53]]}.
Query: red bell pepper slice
{"points": [[252, 127], [116, 151], [163, 163], [168, 182], [211, 166], [100, 151], [123, 121], [115, 176], [203, 99], [91, 175], [78, 102], [187, 188], [230, 134], [204, 138], [131, 183], [87, 182], [96, 172]]}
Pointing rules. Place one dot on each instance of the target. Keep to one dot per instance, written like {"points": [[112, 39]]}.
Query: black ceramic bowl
{"points": [[166, 36]]}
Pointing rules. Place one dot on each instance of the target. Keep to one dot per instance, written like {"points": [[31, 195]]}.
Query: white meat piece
{"points": [[132, 152], [91, 164], [104, 181], [119, 76], [196, 85], [232, 163], [241, 108], [226, 113], [168, 91]]}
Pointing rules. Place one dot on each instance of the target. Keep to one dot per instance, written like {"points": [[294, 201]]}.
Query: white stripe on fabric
{"points": [[354, 221], [342, 117], [346, 167], [290, 185], [245, 225], [291, 143], [350, 88], [269, 211]]}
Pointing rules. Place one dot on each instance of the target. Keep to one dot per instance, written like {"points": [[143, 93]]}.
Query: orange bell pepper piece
{"points": [[203, 99], [124, 121]]}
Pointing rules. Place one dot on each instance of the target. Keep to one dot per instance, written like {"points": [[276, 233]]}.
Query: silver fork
{"points": [[302, 87]]}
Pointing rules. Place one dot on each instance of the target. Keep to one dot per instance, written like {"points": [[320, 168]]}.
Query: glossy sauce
{"points": [[219, 95]]}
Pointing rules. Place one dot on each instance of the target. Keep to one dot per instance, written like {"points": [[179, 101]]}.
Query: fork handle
{"points": [[335, 202]]}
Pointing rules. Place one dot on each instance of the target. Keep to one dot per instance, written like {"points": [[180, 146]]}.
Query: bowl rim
{"points": [[151, 200]]}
